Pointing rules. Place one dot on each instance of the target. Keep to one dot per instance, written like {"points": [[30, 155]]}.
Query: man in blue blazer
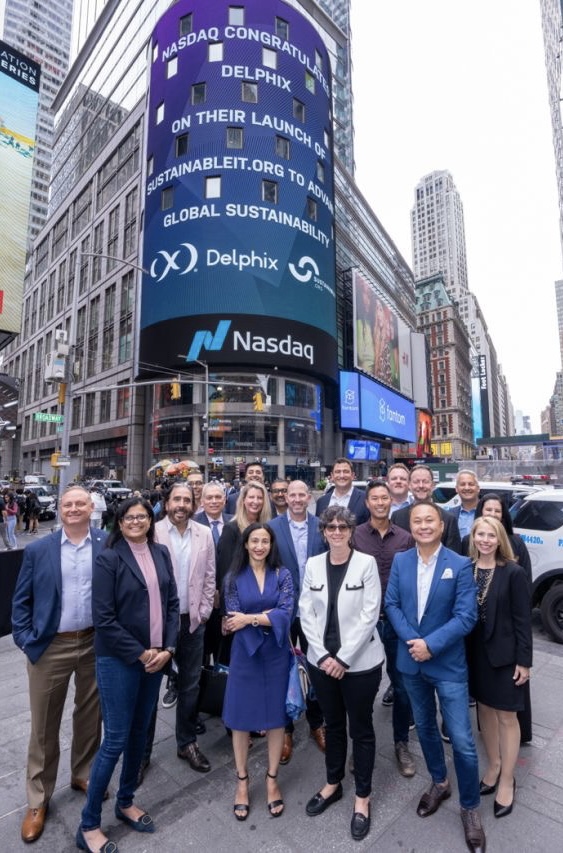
{"points": [[298, 537], [52, 624], [344, 493], [431, 602]]}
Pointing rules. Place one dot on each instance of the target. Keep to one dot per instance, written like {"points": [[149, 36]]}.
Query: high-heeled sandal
{"points": [[241, 810], [275, 803]]}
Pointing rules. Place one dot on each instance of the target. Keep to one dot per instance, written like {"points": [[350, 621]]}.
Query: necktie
{"points": [[215, 531]]}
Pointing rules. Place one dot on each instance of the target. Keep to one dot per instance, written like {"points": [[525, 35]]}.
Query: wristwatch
{"points": [[171, 650], [255, 622]]}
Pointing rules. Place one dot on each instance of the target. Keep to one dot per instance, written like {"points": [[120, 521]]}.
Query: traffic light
{"points": [[175, 391], [258, 404]]}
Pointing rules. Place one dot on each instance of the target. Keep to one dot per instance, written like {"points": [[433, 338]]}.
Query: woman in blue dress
{"points": [[259, 602]]}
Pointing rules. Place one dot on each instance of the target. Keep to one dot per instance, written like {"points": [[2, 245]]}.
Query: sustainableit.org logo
{"points": [[304, 269]]}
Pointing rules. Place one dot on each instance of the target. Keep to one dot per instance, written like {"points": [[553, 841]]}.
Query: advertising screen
{"points": [[238, 240], [363, 451], [19, 94], [349, 400], [370, 407]]}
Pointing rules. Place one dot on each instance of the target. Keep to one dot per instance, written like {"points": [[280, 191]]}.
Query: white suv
{"points": [[539, 521], [446, 495]]}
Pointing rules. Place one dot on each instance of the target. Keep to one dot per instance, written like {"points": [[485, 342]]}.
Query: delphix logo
{"points": [[182, 261]]}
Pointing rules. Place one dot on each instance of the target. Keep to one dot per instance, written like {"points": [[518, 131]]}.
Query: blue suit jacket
{"points": [[201, 518], [315, 545], [357, 504], [120, 602], [450, 613], [36, 607]]}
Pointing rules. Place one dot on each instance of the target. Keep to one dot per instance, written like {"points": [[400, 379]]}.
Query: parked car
{"points": [[48, 502], [539, 521], [112, 488], [446, 495]]}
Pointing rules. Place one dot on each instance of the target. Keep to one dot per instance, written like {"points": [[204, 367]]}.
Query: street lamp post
{"points": [[206, 415]]}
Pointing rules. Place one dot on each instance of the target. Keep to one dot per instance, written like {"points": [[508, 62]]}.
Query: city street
{"points": [[195, 811]]}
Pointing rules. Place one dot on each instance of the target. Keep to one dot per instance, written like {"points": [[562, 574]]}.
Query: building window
{"points": [[298, 110], [155, 51], [84, 262], [215, 52], [318, 59], [283, 147], [172, 67], [186, 24], [182, 144], [312, 209], [76, 405], [60, 232], [93, 338], [150, 166], [130, 236], [89, 409], [98, 249], [113, 237], [269, 57], [61, 286], [119, 168], [213, 187], [309, 82], [199, 93], [282, 29], [320, 172], [159, 113], [249, 92], [167, 198], [236, 16], [123, 395], [125, 339], [270, 191], [235, 137], [105, 406]]}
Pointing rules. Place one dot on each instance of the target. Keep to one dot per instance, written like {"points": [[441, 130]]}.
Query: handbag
{"points": [[297, 686], [212, 686]]}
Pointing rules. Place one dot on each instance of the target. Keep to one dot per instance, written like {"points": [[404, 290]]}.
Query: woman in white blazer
{"points": [[339, 609]]}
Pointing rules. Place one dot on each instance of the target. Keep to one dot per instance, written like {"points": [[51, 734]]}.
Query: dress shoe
{"points": [[287, 750], [82, 785], [318, 803], [142, 824], [431, 799], [82, 844], [474, 832], [195, 757], [319, 736], [360, 825], [504, 811], [200, 727], [33, 824], [388, 696], [485, 789], [404, 759]]}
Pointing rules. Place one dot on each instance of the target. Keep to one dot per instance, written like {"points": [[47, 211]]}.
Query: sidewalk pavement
{"points": [[194, 811]]}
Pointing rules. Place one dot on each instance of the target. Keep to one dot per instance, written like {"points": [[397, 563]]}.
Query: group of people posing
{"points": [[381, 575]]}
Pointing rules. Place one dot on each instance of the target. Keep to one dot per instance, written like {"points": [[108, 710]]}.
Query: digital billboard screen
{"points": [[238, 239], [368, 406], [363, 451], [19, 96]]}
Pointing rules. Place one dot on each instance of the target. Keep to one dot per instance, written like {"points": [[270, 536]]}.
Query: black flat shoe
{"points": [[241, 810], [275, 804], [143, 824], [82, 844], [504, 811], [360, 825], [485, 789], [318, 803]]}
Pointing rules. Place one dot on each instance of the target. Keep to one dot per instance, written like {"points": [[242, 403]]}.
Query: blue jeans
{"points": [[189, 659], [11, 531], [401, 704], [127, 698], [454, 699]]}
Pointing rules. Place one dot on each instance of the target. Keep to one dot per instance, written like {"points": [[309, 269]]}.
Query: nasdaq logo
{"points": [[203, 339]]}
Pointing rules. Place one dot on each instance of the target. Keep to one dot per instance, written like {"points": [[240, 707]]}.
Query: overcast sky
{"points": [[462, 87]]}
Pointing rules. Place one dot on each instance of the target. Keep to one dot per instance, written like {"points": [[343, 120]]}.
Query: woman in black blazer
{"points": [[499, 655], [136, 615]]}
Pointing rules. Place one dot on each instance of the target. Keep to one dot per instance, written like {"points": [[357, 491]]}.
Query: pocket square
{"points": [[447, 574]]}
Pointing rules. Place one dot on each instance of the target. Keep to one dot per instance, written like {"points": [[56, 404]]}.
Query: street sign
{"points": [[48, 417], [63, 461]]}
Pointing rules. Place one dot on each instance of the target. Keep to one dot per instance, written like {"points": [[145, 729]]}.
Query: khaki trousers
{"points": [[48, 687]]}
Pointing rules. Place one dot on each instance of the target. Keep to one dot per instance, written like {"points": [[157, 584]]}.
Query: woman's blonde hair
{"points": [[241, 517], [504, 552]]}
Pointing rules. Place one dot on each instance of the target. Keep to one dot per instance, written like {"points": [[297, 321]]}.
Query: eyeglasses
{"points": [[334, 527], [195, 482], [132, 519], [279, 491]]}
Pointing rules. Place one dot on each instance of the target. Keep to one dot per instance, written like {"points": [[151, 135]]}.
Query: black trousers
{"points": [[353, 697]]}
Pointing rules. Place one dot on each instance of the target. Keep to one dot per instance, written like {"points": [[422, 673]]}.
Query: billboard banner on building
{"points": [[19, 95], [480, 398], [381, 339], [371, 407], [238, 239]]}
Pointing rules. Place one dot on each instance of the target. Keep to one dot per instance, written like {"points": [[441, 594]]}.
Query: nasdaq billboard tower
{"points": [[239, 207]]}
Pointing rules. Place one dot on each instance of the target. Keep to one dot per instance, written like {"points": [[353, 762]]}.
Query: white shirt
{"points": [[340, 500], [182, 547], [424, 575]]}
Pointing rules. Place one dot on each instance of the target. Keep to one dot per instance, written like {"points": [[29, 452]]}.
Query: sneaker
{"points": [[170, 698], [388, 696], [404, 759]]}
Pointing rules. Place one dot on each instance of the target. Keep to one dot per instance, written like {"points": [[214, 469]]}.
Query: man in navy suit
{"points": [[52, 624], [421, 484], [344, 493], [467, 487], [431, 602], [298, 537]]}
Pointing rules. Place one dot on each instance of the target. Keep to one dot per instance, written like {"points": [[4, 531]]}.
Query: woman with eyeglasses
{"points": [[136, 614], [339, 610]]}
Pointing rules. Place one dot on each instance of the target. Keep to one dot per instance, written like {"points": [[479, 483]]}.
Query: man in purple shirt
{"points": [[382, 539]]}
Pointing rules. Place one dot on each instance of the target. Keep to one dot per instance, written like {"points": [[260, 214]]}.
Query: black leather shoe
{"points": [[200, 727], [195, 758], [504, 811], [360, 825], [143, 824], [318, 803], [431, 799], [485, 789]]}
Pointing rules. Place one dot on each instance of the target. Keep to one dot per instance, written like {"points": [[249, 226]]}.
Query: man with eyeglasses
{"points": [[278, 492], [193, 557], [52, 624], [298, 537], [195, 479]]}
